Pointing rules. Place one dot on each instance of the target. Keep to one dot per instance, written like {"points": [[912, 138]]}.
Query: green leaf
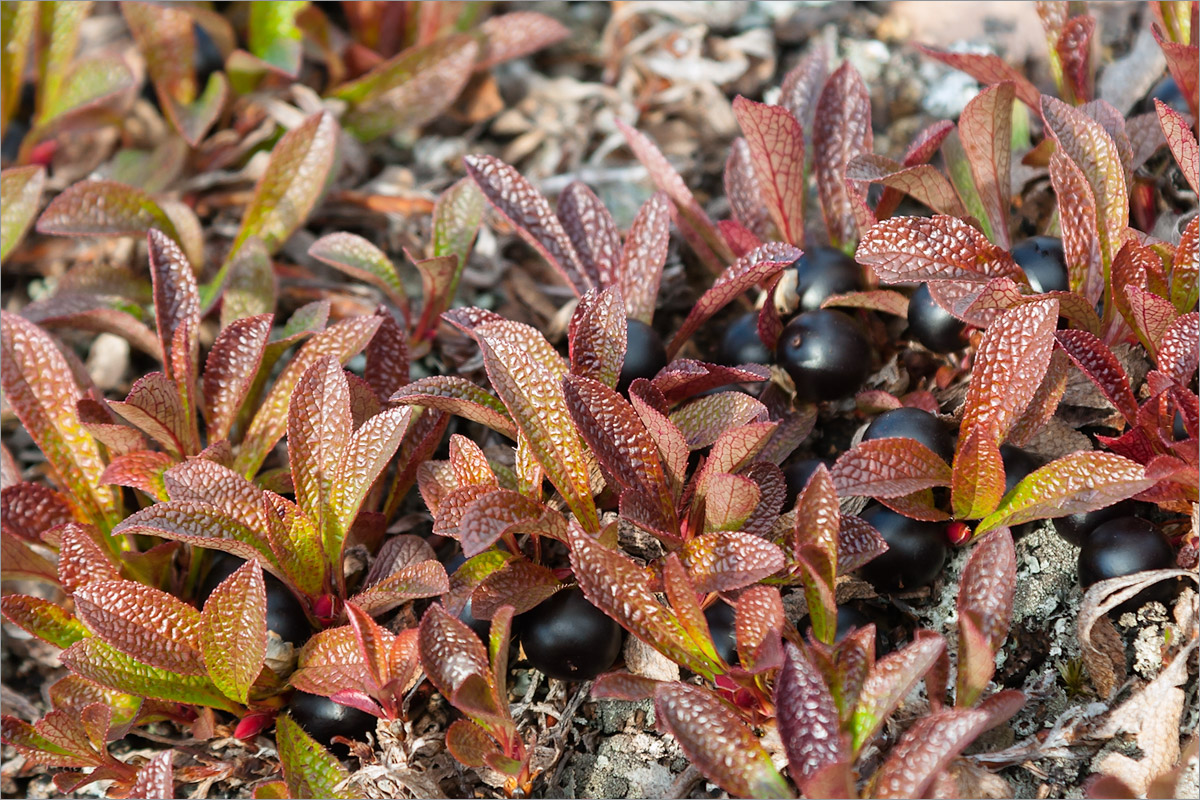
{"points": [[1073, 484], [143, 622], [107, 666], [363, 460], [274, 36], [233, 635], [39, 387], [22, 190], [319, 423], [57, 740], [360, 259], [410, 89], [978, 481], [892, 678], [16, 36], [309, 769], [717, 742], [250, 284], [527, 384], [44, 619]]}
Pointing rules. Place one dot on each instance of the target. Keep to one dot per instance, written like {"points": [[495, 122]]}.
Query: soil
{"points": [[674, 67]]}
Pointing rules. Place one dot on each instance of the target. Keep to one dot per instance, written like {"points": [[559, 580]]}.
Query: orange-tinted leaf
{"points": [[1074, 50], [1181, 141], [363, 460], [888, 468], [841, 131], [1183, 60], [29, 509], [724, 561], [745, 273], [44, 619], [1177, 349], [319, 425], [920, 151], [597, 337], [776, 144], [309, 769], [940, 248], [1009, 366], [200, 524], [985, 605], [985, 129], [978, 481], [57, 740], [491, 516], [360, 259], [1077, 214], [143, 622], [1185, 268], [229, 371], [888, 683], [330, 662], [884, 300], [458, 396], [233, 636], [684, 378], [1148, 314], [926, 749], [22, 188], [22, 561], [716, 741], [703, 420], [470, 744], [1073, 484], [990, 69]]}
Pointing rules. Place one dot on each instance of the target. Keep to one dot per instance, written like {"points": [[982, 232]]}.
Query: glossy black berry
{"points": [[849, 619], [645, 354], [741, 345], [567, 637], [916, 551], [823, 272], [324, 719], [720, 618], [1124, 546], [285, 615], [826, 355], [1076, 528], [913, 423], [1042, 259], [932, 325], [796, 475], [1018, 464]]}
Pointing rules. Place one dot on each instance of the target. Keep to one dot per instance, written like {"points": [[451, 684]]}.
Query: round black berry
{"points": [[823, 272], [1042, 259], [720, 618], [849, 619], [323, 719], [1018, 464], [1076, 528], [285, 615], [796, 475], [1124, 546], [567, 637], [932, 325], [645, 354], [913, 423], [825, 353], [915, 555], [741, 345]]}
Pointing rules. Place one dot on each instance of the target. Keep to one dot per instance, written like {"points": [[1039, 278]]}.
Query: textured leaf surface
{"points": [[1148, 314], [1098, 363], [363, 460], [703, 420], [926, 750], [985, 129], [841, 131], [1072, 484], [309, 769], [458, 396], [592, 232], [743, 191], [38, 385], [747, 271], [924, 183], [469, 743], [1077, 212], [319, 425], [56, 740], [177, 316], [233, 635], [776, 144], [1185, 268], [717, 742], [534, 397], [358, 258], [922, 148], [19, 22], [155, 779], [146, 623], [807, 717], [889, 682], [249, 286], [44, 619], [978, 475], [888, 468], [939, 248], [22, 189], [229, 371], [858, 543], [1177, 350], [719, 562], [990, 69], [199, 524], [330, 662], [450, 651], [985, 605], [758, 628], [530, 213], [815, 542], [107, 666], [597, 337], [1009, 366], [29, 509], [1181, 141], [103, 208]]}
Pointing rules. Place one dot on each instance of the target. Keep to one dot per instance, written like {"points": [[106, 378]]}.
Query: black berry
{"points": [[645, 354], [324, 719], [915, 555], [932, 325], [825, 353], [741, 345], [1042, 259], [1076, 528], [1018, 464], [567, 637], [285, 615], [796, 475], [913, 423], [823, 272], [720, 617], [1124, 546]]}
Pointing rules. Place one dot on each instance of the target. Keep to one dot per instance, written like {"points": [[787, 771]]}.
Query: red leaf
{"points": [[716, 741], [940, 248], [807, 718], [858, 543], [1045, 401], [319, 424], [1074, 49], [177, 312], [229, 371], [745, 194], [1183, 61], [684, 378], [530, 213], [978, 481], [1181, 141], [596, 337], [29, 509], [516, 34], [490, 516], [155, 779], [841, 131], [758, 628], [360, 464], [985, 129], [802, 85], [146, 623], [924, 183], [1009, 367], [776, 144], [233, 635], [103, 208], [889, 682], [450, 651], [1185, 268], [1099, 364], [926, 749], [815, 543], [142, 470], [990, 69], [470, 744], [703, 420], [520, 584], [745, 273], [721, 562], [985, 605], [155, 408], [592, 232], [1077, 212], [644, 256], [1148, 314], [922, 149], [1177, 349], [458, 396], [889, 468]]}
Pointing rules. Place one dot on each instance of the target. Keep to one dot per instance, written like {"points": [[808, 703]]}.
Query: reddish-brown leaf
{"points": [[978, 480], [1042, 407], [1183, 60], [155, 779], [470, 744], [29, 509], [858, 543], [360, 259], [926, 749], [802, 85], [363, 460], [229, 371], [597, 337], [592, 232], [644, 256], [319, 424], [1177, 349], [985, 129], [721, 562], [920, 151], [985, 605], [716, 741], [684, 378], [889, 468], [233, 635], [807, 717], [1181, 141], [758, 628], [940, 248], [1077, 215], [889, 682], [776, 144], [450, 651], [744, 193], [703, 420], [841, 131], [1074, 50], [458, 396], [924, 183], [1148, 314], [815, 543], [1098, 363], [520, 584], [517, 34], [1185, 268], [155, 408], [143, 622], [990, 69], [103, 208], [22, 561], [884, 300]]}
